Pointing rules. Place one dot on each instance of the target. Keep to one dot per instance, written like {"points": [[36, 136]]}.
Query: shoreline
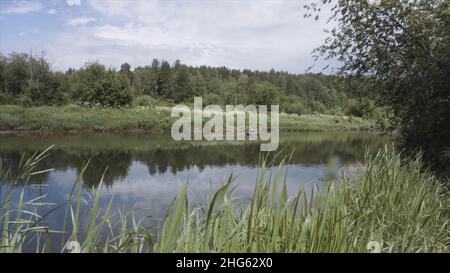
{"points": [[50, 120], [137, 131]]}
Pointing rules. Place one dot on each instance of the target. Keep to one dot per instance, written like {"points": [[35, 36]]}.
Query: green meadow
{"points": [[75, 118]]}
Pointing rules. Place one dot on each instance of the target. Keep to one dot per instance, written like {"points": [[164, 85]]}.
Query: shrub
{"points": [[6, 98], [25, 100], [101, 87], [144, 100]]}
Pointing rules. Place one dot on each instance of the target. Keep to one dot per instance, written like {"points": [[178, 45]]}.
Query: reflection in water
{"points": [[147, 171], [161, 155]]}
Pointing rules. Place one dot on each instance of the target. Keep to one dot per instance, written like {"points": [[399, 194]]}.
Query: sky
{"points": [[257, 35]]}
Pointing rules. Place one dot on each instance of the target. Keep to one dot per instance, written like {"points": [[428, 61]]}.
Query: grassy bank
{"points": [[75, 118], [387, 206]]}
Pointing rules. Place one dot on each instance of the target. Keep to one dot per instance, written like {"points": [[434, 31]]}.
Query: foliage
{"points": [[25, 78], [94, 85], [402, 48], [102, 87], [398, 207]]}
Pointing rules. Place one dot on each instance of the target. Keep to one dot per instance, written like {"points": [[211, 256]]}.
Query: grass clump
{"points": [[388, 205]]}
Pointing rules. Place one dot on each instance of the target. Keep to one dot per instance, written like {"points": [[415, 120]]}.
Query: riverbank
{"points": [[73, 118]]}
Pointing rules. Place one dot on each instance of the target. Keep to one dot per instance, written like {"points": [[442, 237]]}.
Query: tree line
{"points": [[28, 80]]}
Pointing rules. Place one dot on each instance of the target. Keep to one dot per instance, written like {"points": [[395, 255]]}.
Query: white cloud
{"points": [[22, 7], [78, 21], [51, 11], [28, 30], [239, 34], [73, 2]]}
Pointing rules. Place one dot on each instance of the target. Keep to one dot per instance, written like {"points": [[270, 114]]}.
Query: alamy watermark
{"points": [[241, 123]]}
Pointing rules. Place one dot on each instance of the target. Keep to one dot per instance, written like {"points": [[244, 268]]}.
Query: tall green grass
{"points": [[19, 220], [395, 206], [388, 205], [76, 118]]}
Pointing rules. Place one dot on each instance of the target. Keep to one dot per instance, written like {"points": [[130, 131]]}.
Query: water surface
{"points": [[146, 171]]}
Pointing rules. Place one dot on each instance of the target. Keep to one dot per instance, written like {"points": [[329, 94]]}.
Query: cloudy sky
{"points": [[238, 34]]}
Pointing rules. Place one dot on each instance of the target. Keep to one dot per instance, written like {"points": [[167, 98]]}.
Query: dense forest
{"points": [[28, 80]]}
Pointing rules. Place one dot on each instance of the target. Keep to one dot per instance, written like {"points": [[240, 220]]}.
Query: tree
{"points": [[29, 81], [16, 73], [155, 64], [165, 85], [145, 81], [183, 87], [401, 48], [176, 65], [2, 73], [34, 83], [43, 87], [266, 94], [125, 69], [45, 91], [102, 87]]}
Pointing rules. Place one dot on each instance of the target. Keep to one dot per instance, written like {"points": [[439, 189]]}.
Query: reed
{"points": [[388, 205]]}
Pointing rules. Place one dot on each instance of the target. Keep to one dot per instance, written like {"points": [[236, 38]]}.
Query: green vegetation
{"points": [[320, 122], [97, 98], [395, 58], [73, 117], [397, 206], [387, 202], [29, 81], [401, 49]]}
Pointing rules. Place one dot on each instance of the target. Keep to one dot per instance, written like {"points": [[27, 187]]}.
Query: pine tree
{"points": [[183, 87], [155, 64], [125, 69], [165, 85]]}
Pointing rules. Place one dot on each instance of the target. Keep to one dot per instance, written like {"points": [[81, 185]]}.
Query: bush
{"points": [[101, 87], [144, 100], [211, 98], [6, 98], [296, 108], [25, 100]]}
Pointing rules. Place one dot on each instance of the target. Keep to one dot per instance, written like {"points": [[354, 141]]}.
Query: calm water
{"points": [[147, 171]]}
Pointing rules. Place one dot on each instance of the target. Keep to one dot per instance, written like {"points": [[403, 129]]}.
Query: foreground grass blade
{"points": [[388, 205]]}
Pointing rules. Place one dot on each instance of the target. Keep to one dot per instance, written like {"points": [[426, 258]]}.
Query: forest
{"points": [[29, 80]]}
